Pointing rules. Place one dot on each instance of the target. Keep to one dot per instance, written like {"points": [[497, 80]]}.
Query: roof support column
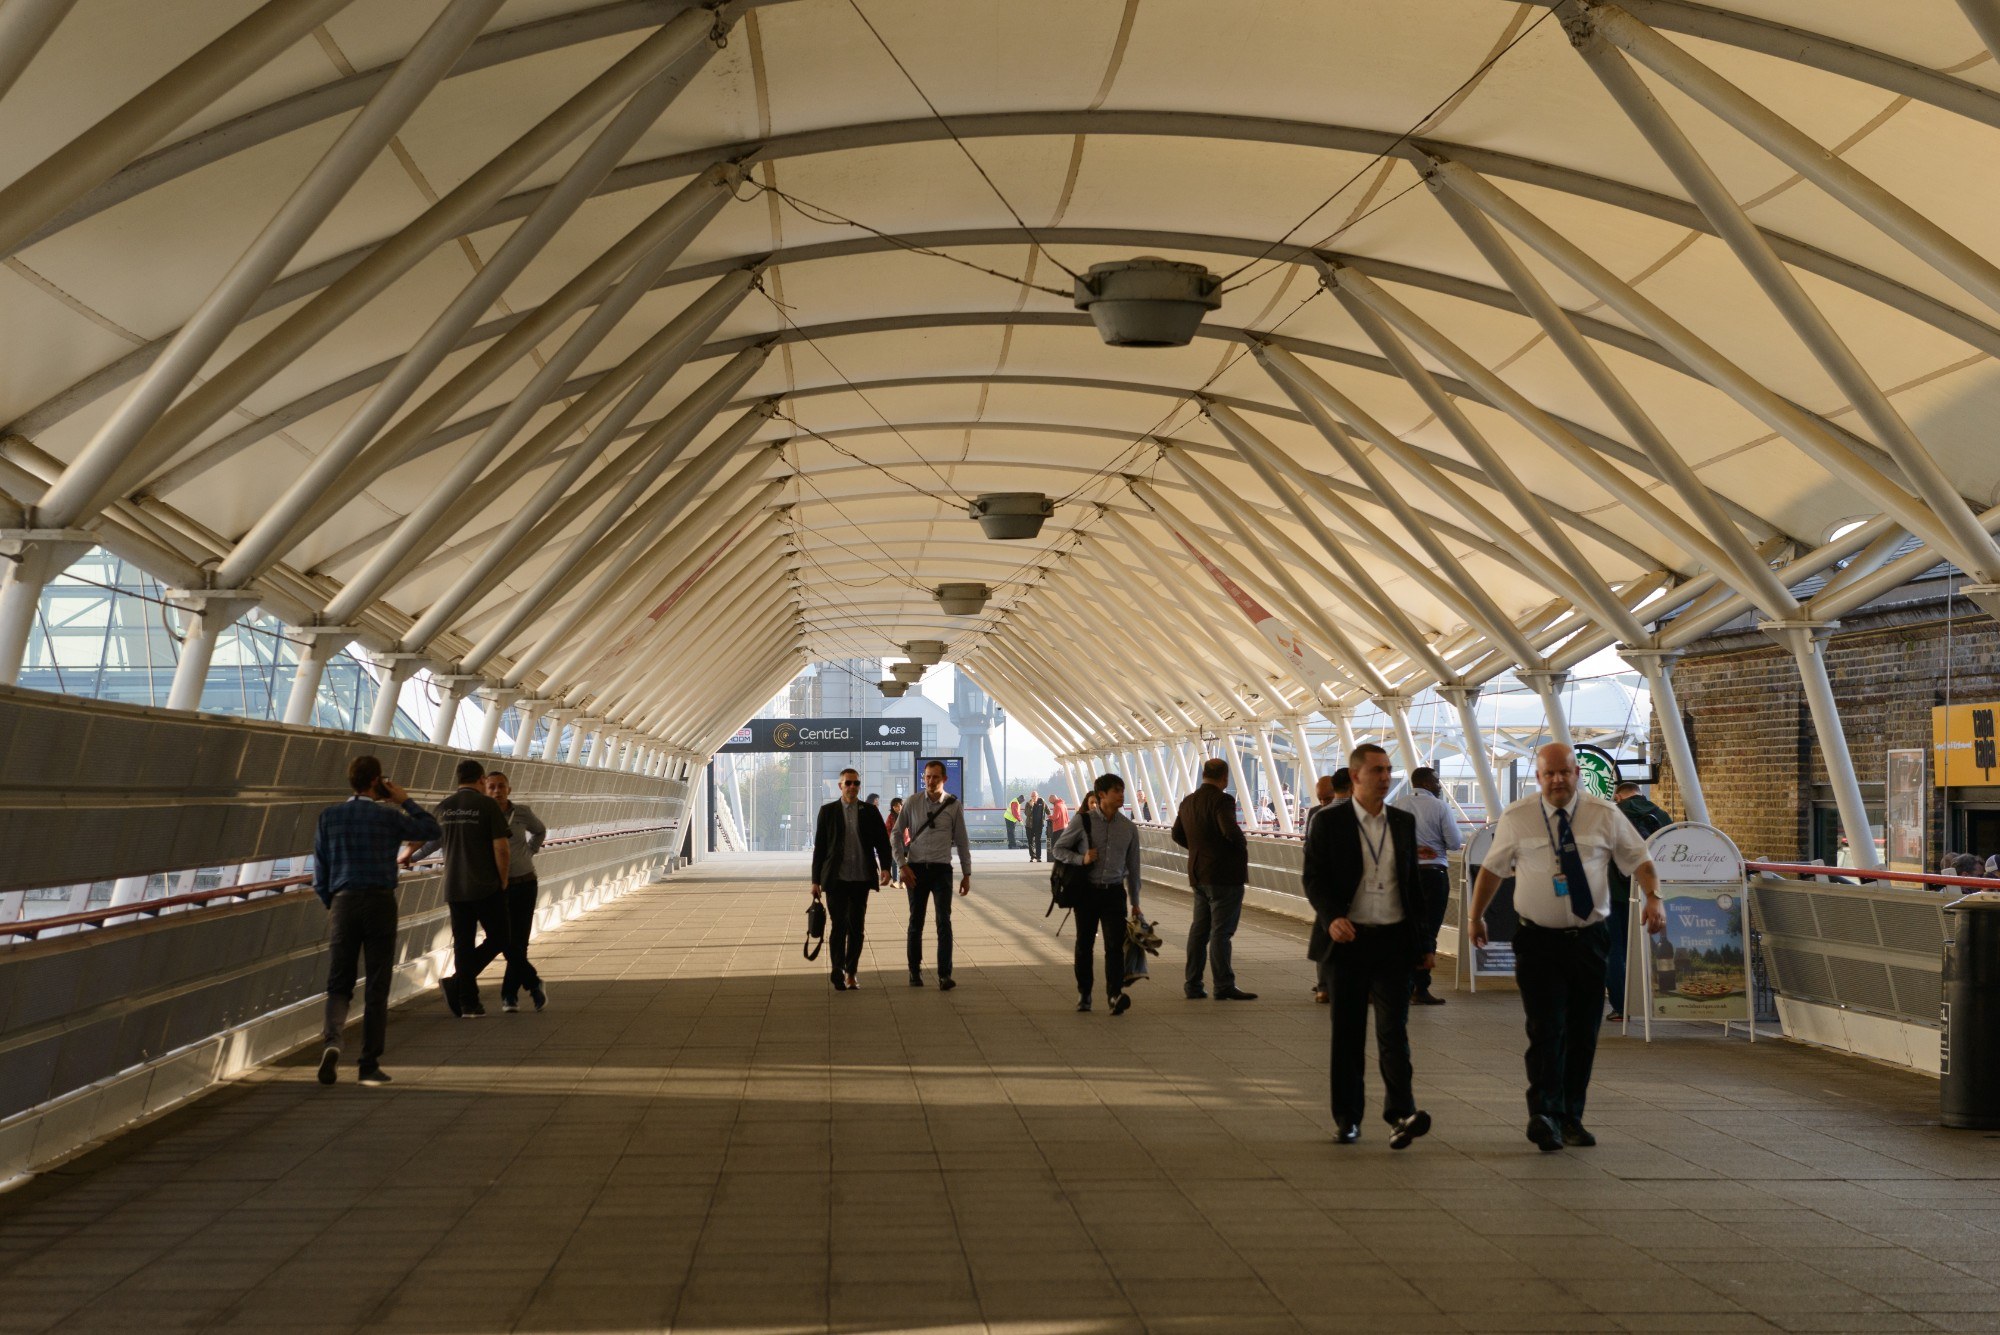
{"points": [[33, 557], [399, 669], [1270, 759], [322, 644], [1461, 699], [211, 611], [1657, 666], [97, 154], [452, 690], [1397, 707], [584, 729], [1733, 225], [1548, 684], [530, 718], [1807, 642], [559, 718], [494, 701], [24, 26], [1984, 15], [83, 488]]}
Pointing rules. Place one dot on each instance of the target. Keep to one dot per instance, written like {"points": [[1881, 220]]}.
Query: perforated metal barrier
{"points": [[103, 1026], [91, 790], [1855, 947]]}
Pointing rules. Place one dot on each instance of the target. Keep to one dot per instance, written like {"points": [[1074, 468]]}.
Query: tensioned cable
{"points": [[785, 315], [838, 448], [820, 213], [1391, 147], [1033, 240]]}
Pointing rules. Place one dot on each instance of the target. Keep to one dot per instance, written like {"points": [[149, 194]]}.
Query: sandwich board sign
{"points": [[1699, 967], [1495, 959]]}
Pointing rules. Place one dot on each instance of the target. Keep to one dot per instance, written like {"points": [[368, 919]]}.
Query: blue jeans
{"points": [[933, 887], [1217, 911]]}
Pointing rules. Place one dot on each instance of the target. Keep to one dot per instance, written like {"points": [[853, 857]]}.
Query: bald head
{"points": [[1555, 771]]}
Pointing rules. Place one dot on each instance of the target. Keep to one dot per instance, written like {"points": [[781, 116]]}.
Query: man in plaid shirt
{"points": [[354, 874]]}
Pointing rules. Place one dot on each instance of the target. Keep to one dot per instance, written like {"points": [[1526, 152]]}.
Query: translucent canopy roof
{"points": [[631, 354]]}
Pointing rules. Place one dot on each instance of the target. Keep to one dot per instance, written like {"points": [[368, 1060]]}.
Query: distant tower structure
{"points": [[972, 714]]}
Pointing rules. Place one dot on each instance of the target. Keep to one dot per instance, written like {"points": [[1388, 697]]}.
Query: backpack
{"points": [[1069, 882]]}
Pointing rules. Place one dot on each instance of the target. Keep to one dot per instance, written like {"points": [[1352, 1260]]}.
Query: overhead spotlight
{"points": [[962, 600], [1148, 302], [927, 652], [1009, 515], [893, 689], [907, 673]]}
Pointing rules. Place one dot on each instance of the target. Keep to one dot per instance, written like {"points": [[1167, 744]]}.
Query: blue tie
{"points": [[1580, 901]]}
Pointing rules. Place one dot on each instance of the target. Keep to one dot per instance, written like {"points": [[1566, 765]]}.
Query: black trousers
{"points": [[1434, 893], [933, 887], [1372, 970], [361, 924], [1035, 833], [1101, 910], [521, 897], [469, 917], [1013, 833], [1561, 977], [846, 919]]}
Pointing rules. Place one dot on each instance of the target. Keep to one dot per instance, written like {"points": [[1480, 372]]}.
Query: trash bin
{"points": [[1970, 1013]]}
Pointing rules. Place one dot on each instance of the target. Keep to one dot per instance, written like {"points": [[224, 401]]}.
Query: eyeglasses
{"points": [[850, 783]]}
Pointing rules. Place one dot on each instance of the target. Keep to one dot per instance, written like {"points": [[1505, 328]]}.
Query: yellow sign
{"points": [[1965, 742]]}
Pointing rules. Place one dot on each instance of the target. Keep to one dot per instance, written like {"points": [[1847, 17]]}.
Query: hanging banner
{"points": [[1495, 959], [1700, 966], [828, 734], [1308, 666], [1905, 834]]}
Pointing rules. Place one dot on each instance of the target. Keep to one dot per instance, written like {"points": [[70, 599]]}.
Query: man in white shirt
{"points": [[1559, 847], [1361, 876]]}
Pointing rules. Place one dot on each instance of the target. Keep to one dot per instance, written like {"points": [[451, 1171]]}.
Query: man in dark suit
{"points": [[850, 858], [1361, 876], [1218, 869]]}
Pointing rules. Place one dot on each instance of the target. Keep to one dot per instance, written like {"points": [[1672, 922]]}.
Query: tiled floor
{"points": [[700, 1135]]}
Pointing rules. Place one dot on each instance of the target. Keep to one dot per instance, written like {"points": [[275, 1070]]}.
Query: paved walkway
{"points": [[700, 1135]]}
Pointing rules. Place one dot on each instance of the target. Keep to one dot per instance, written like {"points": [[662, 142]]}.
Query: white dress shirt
{"points": [[1524, 848], [1376, 903]]}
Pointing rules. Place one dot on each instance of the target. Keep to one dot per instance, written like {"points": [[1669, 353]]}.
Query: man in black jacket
{"points": [[1361, 876], [1218, 869], [850, 858]]}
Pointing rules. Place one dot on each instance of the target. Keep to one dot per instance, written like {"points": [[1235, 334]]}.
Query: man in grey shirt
{"points": [[1107, 842], [1437, 836], [931, 825]]}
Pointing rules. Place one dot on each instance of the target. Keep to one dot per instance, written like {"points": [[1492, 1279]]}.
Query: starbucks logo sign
{"points": [[1597, 772]]}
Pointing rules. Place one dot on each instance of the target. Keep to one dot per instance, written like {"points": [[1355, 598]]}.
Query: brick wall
{"points": [[1754, 740]]}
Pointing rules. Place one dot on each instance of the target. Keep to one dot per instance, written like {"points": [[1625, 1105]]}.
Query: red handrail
{"points": [[1871, 874], [32, 928]]}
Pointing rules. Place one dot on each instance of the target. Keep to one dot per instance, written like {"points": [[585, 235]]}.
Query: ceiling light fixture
{"points": [[1148, 302]]}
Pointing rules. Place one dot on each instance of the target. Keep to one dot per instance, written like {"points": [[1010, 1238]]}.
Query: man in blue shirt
{"points": [[354, 874], [1437, 838]]}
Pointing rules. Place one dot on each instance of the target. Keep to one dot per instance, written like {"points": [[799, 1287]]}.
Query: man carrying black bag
{"points": [[850, 859], [1104, 846]]}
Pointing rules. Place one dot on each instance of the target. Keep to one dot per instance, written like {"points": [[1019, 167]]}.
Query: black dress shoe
{"points": [[1346, 1133], [839, 983], [1416, 1124], [1121, 1003], [1545, 1133], [1083, 1003], [916, 980], [1423, 996], [1197, 994], [1234, 994], [945, 984], [1573, 1133]]}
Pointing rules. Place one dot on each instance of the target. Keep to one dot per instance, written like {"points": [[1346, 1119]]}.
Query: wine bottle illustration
{"points": [[1666, 976]]}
